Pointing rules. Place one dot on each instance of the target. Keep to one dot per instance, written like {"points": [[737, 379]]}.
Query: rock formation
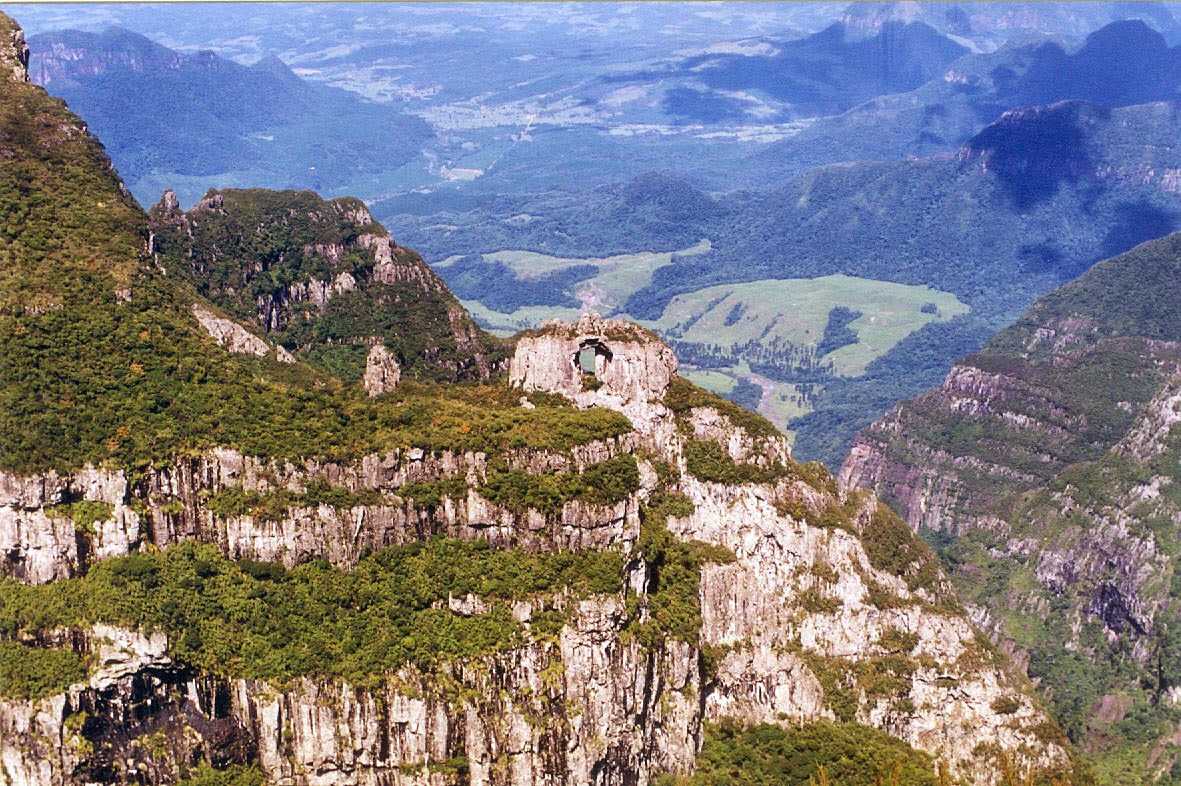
{"points": [[157, 481], [1047, 466], [804, 607], [382, 371], [14, 53], [236, 338], [631, 372], [320, 275]]}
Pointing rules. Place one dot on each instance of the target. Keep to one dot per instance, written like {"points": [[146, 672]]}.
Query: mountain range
{"points": [[1044, 469], [1028, 203], [221, 564]]}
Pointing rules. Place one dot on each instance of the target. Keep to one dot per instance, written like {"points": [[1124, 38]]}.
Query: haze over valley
{"points": [[695, 146]]}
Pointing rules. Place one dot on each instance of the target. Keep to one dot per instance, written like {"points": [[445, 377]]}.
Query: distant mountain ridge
{"points": [[1122, 64], [213, 117], [1027, 204], [834, 69], [218, 565]]}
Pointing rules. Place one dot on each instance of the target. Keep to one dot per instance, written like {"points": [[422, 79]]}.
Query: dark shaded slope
{"points": [[834, 69], [1031, 202], [1123, 64]]}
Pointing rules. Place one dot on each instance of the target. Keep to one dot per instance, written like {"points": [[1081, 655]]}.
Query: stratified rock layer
{"points": [[789, 625]]}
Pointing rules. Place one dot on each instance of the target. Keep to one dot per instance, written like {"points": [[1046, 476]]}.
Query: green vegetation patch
{"points": [[273, 506], [674, 585], [850, 320], [605, 483], [234, 775], [255, 620], [707, 460], [33, 673], [430, 493], [683, 396], [893, 548], [879, 678], [849, 753], [84, 513]]}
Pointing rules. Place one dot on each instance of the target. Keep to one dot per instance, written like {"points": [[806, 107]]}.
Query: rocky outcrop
{"points": [[1047, 466], [598, 362], [316, 274], [14, 53], [235, 338], [43, 538], [584, 708], [382, 371], [629, 362], [804, 622]]}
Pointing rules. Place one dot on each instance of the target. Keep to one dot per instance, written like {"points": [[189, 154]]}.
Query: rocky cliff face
{"points": [[1000, 425], [826, 610], [154, 486], [323, 279], [626, 367], [1045, 468], [14, 53]]}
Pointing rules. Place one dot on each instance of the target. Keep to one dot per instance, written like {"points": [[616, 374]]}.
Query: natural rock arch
{"points": [[630, 364]]}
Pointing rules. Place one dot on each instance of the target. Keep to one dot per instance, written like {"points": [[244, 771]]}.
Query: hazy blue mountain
{"points": [[987, 25], [834, 69], [167, 116], [1122, 64]]}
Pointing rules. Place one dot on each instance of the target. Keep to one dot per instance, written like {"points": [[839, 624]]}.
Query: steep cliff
{"points": [[1045, 469], [322, 278], [214, 556], [732, 583]]}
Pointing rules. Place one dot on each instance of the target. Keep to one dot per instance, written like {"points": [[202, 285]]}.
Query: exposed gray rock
{"points": [[800, 602], [382, 371], [630, 363], [14, 53], [236, 338]]}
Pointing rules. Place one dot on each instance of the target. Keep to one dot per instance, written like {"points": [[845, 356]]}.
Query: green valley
{"points": [[802, 331]]}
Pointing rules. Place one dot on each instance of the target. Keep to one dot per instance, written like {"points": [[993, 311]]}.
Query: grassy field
{"points": [[618, 278], [521, 319], [782, 402], [795, 311], [720, 382]]}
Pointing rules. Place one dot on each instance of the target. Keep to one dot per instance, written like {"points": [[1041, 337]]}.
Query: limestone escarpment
{"points": [[234, 337], [1001, 424], [323, 279], [585, 707], [826, 609], [44, 536]]}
